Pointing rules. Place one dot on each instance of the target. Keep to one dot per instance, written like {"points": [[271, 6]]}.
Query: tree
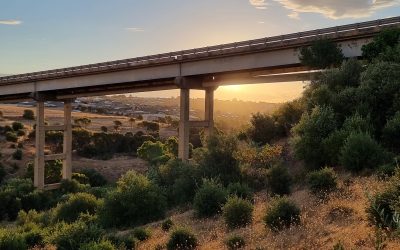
{"points": [[387, 39], [321, 54], [117, 125], [83, 122], [262, 129], [140, 117], [28, 114], [104, 129]]}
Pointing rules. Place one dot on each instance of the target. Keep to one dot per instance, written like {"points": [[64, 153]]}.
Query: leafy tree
{"points": [[385, 40], [117, 125], [391, 133], [152, 151], [83, 122], [28, 114], [104, 129], [289, 115], [263, 128], [321, 54]]}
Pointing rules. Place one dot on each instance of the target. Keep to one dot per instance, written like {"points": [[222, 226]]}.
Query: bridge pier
{"points": [[40, 157]]}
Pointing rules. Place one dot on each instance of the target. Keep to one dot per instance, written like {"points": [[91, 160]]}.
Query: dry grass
{"points": [[341, 218]]}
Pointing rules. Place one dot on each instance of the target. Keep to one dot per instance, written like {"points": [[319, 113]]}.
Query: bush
{"points": [[182, 239], [102, 245], [28, 114], [71, 186], [3, 173], [12, 241], [235, 242], [240, 190], [135, 201], [95, 178], [360, 152], [141, 234], [11, 137], [322, 181], [391, 133], [72, 236], [279, 180], [17, 155], [263, 128], [237, 212], [167, 224], [282, 213], [321, 54], [17, 126], [386, 170], [209, 199], [76, 204], [123, 241], [21, 133]]}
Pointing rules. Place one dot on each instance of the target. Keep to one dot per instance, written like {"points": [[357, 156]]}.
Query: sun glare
{"points": [[233, 87]]}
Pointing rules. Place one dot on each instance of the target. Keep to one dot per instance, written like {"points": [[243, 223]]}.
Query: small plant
{"points": [[11, 137], [282, 213], [241, 190], [17, 155], [338, 246], [94, 177], [141, 234], [322, 181], [167, 224], [102, 245], [76, 204], [28, 114], [209, 199], [126, 241], [12, 240], [182, 239], [17, 126], [237, 212], [235, 242], [279, 180], [21, 133]]}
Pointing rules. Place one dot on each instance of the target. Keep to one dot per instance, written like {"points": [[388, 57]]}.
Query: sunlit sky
{"points": [[47, 34]]}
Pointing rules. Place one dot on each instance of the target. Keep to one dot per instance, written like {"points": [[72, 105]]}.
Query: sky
{"points": [[47, 34]]}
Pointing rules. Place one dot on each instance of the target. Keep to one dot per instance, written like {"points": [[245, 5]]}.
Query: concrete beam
{"points": [[209, 110], [184, 128], [38, 172], [67, 147]]}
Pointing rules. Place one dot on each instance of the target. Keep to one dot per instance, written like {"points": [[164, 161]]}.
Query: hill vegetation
{"points": [[319, 173]]}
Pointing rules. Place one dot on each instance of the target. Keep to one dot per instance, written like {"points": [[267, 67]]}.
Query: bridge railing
{"points": [[267, 42]]}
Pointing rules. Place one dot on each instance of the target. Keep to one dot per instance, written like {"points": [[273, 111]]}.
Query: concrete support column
{"points": [[209, 110], [184, 128], [38, 176], [67, 148]]}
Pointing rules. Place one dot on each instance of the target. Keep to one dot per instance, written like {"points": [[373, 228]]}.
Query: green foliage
{"points": [[17, 126], [72, 186], [135, 201], [281, 213], [219, 160], [391, 133], [12, 241], [235, 242], [3, 173], [150, 126], [360, 152], [240, 190], [94, 177], [28, 114], [141, 234], [72, 236], [182, 239], [237, 212], [322, 181], [102, 245], [152, 152], [52, 171], [321, 54], [167, 224], [82, 122], [11, 137], [209, 198], [263, 128], [21, 133], [123, 241], [76, 204], [385, 40], [17, 155], [179, 179], [279, 180], [171, 145], [309, 135], [288, 115]]}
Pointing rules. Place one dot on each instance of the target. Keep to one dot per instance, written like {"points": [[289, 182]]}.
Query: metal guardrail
{"points": [[205, 51]]}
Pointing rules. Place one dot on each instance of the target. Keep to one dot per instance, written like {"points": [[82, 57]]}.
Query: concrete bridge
{"points": [[265, 60]]}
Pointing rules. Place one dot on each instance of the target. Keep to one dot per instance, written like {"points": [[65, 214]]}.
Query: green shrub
{"points": [[237, 212], [95, 178], [386, 170], [167, 224], [72, 236], [141, 234], [241, 190], [11, 137], [102, 245], [81, 178], [76, 204], [182, 239], [21, 133], [360, 152], [71, 186], [34, 237], [17, 155], [209, 198], [322, 181], [279, 180], [323, 53], [3, 173], [17, 126], [52, 171], [281, 213], [123, 241], [28, 114], [391, 133], [235, 242], [10, 240], [135, 201]]}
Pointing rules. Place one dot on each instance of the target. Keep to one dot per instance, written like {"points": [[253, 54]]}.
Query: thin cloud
{"points": [[135, 29], [336, 9], [10, 22], [259, 4], [294, 15]]}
